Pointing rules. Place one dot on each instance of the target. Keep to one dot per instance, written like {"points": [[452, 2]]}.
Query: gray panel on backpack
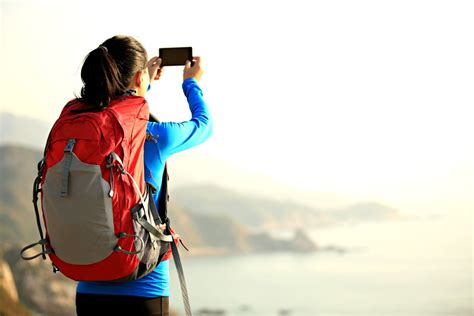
{"points": [[80, 224]]}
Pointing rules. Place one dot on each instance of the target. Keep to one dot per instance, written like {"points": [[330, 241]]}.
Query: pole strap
{"points": [[182, 280]]}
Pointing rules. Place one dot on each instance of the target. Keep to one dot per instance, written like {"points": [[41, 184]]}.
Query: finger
{"points": [[155, 62], [160, 70], [151, 61], [197, 59], [187, 65]]}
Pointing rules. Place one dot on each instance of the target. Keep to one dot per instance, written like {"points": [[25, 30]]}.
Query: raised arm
{"points": [[173, 137]]}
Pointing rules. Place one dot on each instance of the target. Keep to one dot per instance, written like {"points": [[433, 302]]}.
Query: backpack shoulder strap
{"points": [[163, 200], [164, 197]]}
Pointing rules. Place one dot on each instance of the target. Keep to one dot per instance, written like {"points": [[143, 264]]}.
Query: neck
{"points": [[131, 92]]}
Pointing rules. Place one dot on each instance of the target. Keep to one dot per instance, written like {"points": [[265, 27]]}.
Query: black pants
{"points": [[117, 305]]}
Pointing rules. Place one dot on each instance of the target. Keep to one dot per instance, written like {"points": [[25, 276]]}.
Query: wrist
{"points": [[190, 79], [188, 84]]}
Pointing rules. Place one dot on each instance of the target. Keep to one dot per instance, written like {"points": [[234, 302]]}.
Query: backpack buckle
{"points": [[70, 145]]}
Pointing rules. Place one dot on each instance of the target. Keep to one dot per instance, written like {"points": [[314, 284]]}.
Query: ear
{"points": [[137, 79]]}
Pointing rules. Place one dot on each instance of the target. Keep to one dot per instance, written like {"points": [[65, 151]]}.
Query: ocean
{"points": [[403, 268]]}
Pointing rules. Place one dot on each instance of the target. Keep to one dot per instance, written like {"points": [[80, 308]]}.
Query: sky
{"points": [[363, 98]]}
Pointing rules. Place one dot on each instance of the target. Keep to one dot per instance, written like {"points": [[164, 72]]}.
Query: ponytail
{"points": [[109, 69]]}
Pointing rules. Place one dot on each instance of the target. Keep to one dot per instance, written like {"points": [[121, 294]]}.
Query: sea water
{"points": [[403, 268]]}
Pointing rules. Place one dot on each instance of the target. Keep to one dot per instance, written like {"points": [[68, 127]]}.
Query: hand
{"points": [[195, 71], [154, 69]]}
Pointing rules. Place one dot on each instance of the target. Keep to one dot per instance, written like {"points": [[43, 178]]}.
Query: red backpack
{"points": [[99, 218]]}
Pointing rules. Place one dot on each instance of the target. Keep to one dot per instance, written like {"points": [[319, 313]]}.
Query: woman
{"points": [[119, 62]]}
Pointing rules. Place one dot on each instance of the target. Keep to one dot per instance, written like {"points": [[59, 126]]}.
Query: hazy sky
{"points": [[369, 98]]}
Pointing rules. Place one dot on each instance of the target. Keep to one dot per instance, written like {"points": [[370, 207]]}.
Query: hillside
{"points": [[18, 171]]}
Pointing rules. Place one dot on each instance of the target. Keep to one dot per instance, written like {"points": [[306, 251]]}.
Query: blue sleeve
{"points": [[173, 137]]}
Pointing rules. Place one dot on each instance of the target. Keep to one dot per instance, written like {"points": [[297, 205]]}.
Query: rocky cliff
{"points": [[7, 282], [9, 300], [40, 289]]}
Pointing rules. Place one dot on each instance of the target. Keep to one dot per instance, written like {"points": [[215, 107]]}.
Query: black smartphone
{"points": [[175, 56]]}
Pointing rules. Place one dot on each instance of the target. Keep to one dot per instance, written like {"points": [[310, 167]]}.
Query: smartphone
{"points": [[175, 56]]}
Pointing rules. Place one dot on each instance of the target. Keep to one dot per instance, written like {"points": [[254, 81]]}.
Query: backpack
{"points": [[98, 213]]}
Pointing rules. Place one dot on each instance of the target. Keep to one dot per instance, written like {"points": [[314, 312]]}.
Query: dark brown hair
{"points": [[109, 69]]}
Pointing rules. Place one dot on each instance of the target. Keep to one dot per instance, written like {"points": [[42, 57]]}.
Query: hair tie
{"points": [[104, 48]]}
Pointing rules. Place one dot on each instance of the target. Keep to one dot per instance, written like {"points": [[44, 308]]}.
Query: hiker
{"points": [[122, 62]]}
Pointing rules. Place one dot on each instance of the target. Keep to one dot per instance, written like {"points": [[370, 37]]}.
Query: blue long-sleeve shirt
{"points": [[172, 137], [167, 139]]}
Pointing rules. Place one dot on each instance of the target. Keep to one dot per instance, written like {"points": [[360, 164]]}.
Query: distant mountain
{"points": [[250, 211], [189, 168], [209, 234], [22, 130], [370, 211], [258, 213]]}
